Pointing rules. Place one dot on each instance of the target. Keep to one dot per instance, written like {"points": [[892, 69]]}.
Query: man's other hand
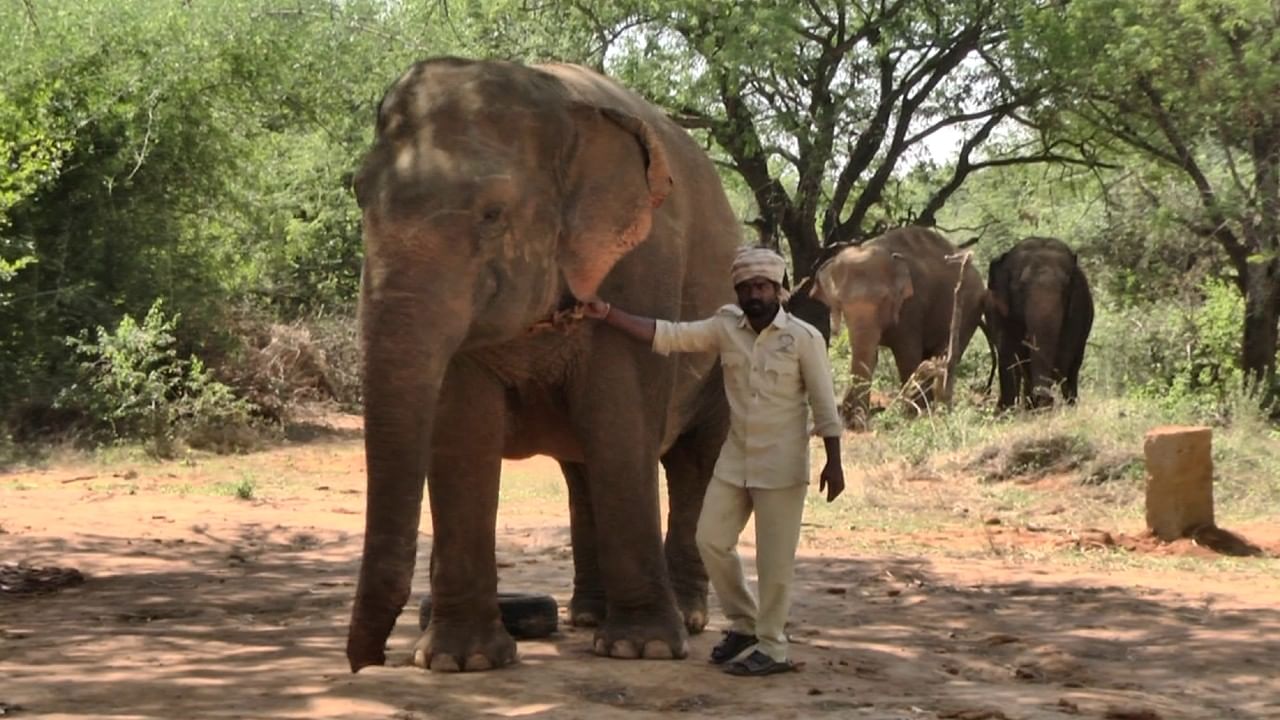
{"points": [[832, 480]]}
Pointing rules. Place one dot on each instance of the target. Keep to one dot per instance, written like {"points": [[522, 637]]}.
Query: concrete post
{"points": [[1179, 480]]}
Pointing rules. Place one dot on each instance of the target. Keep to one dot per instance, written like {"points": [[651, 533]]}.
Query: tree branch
{"points": [[1187, 161]]}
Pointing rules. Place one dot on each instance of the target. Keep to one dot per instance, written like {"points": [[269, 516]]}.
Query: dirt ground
{"points": [[201, 604]]}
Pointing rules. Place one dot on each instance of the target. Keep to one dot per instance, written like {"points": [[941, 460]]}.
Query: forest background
{"points": [[180, 246]]}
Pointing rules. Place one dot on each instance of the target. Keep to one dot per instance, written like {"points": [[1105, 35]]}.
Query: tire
{"points": [[526, 616]]}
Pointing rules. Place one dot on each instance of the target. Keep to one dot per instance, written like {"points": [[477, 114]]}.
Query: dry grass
{"points": [[1066, 472]]}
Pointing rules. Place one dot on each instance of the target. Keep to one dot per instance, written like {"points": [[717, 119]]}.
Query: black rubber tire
{"points": [[526, 616]]}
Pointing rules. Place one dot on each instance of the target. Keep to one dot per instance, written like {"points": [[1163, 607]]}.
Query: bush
{"points": [[133, 386], [278, 366], [1184, 356]]}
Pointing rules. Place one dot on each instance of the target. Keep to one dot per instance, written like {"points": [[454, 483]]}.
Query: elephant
{"points": [[897, 290], [495, 199], [1040, 312]]}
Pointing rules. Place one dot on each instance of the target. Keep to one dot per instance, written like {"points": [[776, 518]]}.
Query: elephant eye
{"points": [[491, 214]]}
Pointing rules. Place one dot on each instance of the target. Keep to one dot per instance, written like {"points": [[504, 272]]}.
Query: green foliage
{"points": [[245, 488], [1194, 355], [201, 154], [133, 386]]}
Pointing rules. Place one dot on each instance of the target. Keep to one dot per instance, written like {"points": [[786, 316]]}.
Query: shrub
{"points": [[133, 386], [278, 366], [1192, 353]]}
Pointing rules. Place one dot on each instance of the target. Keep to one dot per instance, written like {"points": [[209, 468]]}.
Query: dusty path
{"points": [[202, 605]]}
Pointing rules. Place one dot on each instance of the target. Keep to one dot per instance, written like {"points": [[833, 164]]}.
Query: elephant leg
{"points": [[1071, 384], [907, 356], [855, 409], [466, 631], [689, 465], [1026, 380], [587, 606], [618, 410], [1010, 376], [964, 335]]}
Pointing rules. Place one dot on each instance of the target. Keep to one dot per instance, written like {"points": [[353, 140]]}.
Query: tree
{"points": [[821, 106], [1194, 87], [196, 152]]}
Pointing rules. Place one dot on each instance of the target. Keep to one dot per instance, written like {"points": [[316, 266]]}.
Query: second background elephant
{"points": [[1040, 312]]}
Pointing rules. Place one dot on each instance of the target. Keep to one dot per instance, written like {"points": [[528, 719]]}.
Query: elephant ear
{"points": [[903, 288], [616, 175], [998, 286], [826, 289]]}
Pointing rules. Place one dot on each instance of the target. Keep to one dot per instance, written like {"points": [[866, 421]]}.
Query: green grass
{"points": [[242, 489], [934, 474]]}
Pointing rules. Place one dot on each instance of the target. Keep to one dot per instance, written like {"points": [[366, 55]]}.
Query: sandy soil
{"points": [[199, 605]]}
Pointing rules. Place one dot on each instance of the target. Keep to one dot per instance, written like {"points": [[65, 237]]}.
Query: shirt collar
{"points": [[779, 321]]}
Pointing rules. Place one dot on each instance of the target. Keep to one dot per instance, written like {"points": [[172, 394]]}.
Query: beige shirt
{"points": [[771, 380]]}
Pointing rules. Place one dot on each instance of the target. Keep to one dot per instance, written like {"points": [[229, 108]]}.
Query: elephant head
{"points": [[1029, 291], [865, 287], [803, 303], [492, 193]]}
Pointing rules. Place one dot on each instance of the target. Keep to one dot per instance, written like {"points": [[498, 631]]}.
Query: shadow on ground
{"points": [[252, 622]]}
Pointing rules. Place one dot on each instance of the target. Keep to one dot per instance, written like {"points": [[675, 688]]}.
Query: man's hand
{"points": [[596, 309], [832, 479]]}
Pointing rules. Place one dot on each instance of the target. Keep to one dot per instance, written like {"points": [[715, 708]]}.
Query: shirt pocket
{"points": [[783, 374], [734, 365]]}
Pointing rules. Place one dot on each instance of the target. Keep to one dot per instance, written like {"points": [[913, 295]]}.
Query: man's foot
{"points": [[757, 663], [731, 646]]}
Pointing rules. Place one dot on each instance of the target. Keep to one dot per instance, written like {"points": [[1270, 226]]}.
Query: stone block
{"points": [[1179, 480]]}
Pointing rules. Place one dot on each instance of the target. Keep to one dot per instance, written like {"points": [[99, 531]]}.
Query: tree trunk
{"points": [[1262, 310], [802, 238]]}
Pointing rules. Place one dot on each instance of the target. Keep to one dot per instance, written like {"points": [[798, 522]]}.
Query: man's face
{"points": [[758, 297]]}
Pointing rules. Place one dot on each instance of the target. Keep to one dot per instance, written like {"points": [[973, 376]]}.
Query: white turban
{"points": [[753, 262]]}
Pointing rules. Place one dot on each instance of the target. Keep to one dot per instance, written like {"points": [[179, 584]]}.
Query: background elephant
{"points": [[493, 196], [897, 291], [1040, 311]]}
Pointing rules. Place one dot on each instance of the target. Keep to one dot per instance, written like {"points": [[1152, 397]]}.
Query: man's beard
{"points": [[759, 308]]}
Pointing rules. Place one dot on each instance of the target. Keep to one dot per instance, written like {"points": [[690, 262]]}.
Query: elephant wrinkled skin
{"points": [[493, 196], [898, 291], [1040, 311]]}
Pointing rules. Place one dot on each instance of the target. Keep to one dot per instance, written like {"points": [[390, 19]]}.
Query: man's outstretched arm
{"points": [[640, 328], [662, 336]]}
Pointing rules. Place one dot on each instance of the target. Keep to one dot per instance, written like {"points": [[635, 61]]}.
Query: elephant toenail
{"points": [[625, 649], [478, 662], [444, 663], [602, 648], [421, 659], [657, 650]]}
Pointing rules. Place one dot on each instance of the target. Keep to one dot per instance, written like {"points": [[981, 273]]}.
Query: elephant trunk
{"points": [[1044, 328], [407, 345], [864, 349]]}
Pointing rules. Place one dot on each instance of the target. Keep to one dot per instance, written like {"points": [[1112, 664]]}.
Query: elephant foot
{"points": [[464, 647], [635, 637], [587, 610], [693, 609]]}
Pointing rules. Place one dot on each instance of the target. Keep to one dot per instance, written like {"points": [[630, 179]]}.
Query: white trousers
{"points": [[725, 511]]}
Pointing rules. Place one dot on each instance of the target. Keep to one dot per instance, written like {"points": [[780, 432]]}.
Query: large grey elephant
{"points": [[1040, 311], [494, 197], [898, 290]]}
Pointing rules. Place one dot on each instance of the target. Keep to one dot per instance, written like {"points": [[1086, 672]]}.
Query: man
{"points": [[773, 363]]}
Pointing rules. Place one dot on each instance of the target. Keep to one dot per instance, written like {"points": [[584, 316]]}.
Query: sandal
{"points": [[757, 663], [731, 646]]}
